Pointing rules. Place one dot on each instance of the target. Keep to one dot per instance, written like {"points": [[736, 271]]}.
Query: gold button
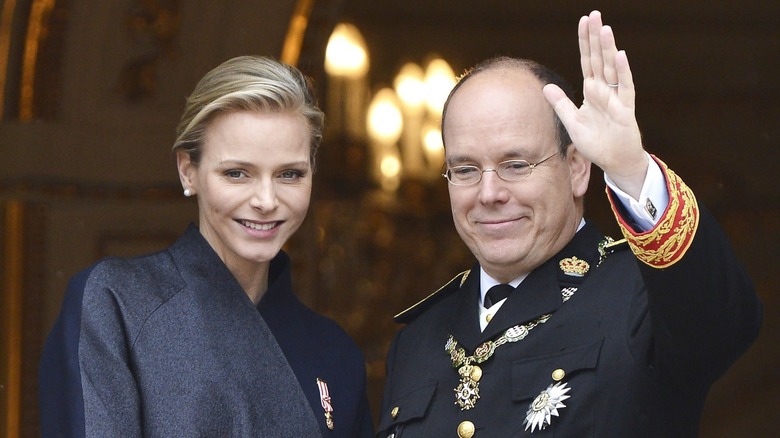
{"points": [[394, 412], [466, 429], [558, 374], [488, 317]]}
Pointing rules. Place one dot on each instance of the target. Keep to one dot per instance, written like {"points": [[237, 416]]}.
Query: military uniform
{"points": [[600, 341]]}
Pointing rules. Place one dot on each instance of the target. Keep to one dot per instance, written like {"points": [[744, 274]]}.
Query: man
{"points": [[595, 338]]}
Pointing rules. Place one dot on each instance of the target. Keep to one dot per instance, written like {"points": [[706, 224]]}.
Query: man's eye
{"points": [[464, 170], [515, 165]]}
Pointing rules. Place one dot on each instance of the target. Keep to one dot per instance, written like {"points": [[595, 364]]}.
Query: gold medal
{"points": [[466, 393]]}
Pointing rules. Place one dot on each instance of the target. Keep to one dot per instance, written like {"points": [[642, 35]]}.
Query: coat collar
{"points": [[200, 265], [232, 316], [538, 294]]}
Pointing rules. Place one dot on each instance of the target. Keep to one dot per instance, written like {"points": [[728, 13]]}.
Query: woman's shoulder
{"points": [[151, 278]]}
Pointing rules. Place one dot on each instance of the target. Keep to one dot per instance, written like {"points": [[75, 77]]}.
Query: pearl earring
{"points": [[187, 192]]}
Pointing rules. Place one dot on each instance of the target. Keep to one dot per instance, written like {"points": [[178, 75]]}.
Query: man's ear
{"points": [[579, 170], [187, 171]]}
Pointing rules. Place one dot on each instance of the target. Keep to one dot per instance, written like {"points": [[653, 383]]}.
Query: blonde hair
{"points": [[247, 83]]}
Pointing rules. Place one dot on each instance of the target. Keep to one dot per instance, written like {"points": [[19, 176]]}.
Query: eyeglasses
{"points": [[510, 170]]}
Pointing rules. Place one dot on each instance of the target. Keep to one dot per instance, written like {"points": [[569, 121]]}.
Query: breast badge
{"points": [[545, 406]]}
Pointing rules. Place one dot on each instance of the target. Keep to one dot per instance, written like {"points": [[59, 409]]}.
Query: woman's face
{"points": [[253, 184]]}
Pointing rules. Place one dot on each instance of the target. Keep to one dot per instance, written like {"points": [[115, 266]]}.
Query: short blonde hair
{"points": [[247, 83]]}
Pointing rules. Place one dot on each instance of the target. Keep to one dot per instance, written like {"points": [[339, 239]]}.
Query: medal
{"points": [[545, 406], [325, 402], [467, 391]]}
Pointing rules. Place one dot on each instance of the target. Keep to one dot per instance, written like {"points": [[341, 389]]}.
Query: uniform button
{"points": [[558, 374], [466, 429], [488, 317], [394, 412]]}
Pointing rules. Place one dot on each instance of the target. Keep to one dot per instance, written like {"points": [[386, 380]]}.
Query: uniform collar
{"points": [[538, 294]]}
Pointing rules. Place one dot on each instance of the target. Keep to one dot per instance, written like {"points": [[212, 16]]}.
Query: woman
{"points": [[206, 337]]}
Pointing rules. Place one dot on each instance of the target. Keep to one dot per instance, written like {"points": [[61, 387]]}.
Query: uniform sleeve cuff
{"points": [[653, 198], [667, 241]]}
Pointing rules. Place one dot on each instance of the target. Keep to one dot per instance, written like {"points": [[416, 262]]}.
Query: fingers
{"points": [[584, 41], [561, 104], [594, 40], [626, 91], [608, 51], [597, 49]]}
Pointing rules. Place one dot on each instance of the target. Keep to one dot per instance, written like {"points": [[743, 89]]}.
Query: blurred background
{"points": [[90, 93]]}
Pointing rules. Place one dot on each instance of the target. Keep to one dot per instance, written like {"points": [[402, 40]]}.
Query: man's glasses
{"points": [[510, 170]]}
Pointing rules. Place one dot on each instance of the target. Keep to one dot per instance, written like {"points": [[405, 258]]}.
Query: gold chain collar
{"points": [[467, 392]]}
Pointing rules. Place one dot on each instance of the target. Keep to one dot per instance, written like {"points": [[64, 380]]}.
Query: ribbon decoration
{"points": [[325, 402]]}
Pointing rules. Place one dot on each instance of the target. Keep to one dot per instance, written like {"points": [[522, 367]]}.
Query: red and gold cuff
{"points": [[667, 242]]}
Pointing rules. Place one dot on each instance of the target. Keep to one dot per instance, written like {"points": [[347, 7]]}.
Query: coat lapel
{"points": [[234, 329], [538, 294], [463, 323]]}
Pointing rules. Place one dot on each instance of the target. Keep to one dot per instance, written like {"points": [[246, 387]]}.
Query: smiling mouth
{"points": [[498, 221], [259, 227]]}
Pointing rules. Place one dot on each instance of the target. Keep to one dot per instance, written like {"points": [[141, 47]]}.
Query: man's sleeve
{"points": [[703, 309]]}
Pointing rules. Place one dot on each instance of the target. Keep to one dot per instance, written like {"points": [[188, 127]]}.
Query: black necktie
{"points": [[496, 294]]}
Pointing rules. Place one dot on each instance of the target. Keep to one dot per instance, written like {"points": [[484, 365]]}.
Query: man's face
{"points": [[511, 227]]}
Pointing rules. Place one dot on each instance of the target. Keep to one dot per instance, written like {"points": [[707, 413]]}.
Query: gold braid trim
{"points": [[670, 239]]}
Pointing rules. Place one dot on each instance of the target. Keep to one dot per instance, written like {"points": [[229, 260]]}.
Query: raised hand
{"points": [[604, 128]]}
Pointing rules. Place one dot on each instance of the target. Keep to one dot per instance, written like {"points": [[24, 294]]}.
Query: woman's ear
{"points": [[579, 171], [187, 170]]}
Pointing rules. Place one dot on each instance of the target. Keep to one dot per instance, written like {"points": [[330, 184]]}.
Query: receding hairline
{"points": [[541, 73]]}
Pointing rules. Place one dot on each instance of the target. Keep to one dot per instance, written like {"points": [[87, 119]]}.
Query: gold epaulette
{"points": [[413, 312], [669, 240]]}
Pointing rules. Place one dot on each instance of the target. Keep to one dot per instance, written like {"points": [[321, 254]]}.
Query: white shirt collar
{"points": [[486, 282]]}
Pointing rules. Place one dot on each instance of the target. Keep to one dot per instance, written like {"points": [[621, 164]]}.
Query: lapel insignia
{"points": [[325, 401], [545, 406], [567, 292], [574, 266]]}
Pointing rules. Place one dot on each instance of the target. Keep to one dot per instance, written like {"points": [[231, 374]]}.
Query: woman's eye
{"points": [[292, 175], [235, 174]]}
